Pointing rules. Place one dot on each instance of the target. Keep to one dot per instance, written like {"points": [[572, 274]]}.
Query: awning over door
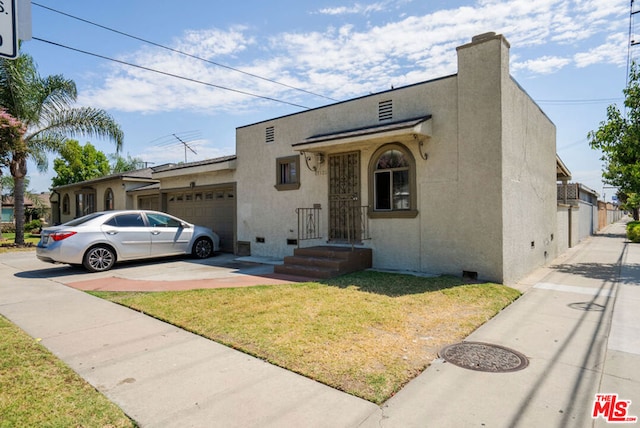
{"points": [[419, 127]]}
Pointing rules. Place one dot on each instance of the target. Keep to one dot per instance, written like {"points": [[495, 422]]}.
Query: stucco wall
{"points": [[529, 196], [562, 234], [117, 186], [481, 69], [199, 180], [587, 219], [414, 244]]}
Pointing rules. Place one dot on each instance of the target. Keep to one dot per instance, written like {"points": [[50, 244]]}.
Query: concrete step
{"points": [[330, 263], [325, 261], [306, 271]]}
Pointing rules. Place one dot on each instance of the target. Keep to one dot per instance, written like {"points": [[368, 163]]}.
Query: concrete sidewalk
{"points": [[578, 323]]}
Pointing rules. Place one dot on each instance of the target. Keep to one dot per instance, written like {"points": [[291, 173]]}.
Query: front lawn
{"points": [[38, 390], [367, 333]]}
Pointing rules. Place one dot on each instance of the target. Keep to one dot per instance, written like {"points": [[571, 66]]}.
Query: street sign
{"points": [[8, 29]]}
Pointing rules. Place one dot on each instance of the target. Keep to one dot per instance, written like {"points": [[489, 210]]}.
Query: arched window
{"points": [[392, 189], [108, 200], [66, 207]]}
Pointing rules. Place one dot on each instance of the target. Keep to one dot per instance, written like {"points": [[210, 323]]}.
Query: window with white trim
{"points": [[392, 190]]}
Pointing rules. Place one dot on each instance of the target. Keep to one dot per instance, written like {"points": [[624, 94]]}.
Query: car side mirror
{"points": [[185, 225]]}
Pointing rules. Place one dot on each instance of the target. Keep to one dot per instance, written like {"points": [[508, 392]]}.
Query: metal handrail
{"points": [[308, 223]]}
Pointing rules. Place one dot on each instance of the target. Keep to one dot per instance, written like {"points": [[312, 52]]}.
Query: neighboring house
{"points": [[30, 206], [455, 175], [100, 194], [200, 192]]}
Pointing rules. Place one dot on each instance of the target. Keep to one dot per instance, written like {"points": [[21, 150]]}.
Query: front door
{"points": [[344, 197]]}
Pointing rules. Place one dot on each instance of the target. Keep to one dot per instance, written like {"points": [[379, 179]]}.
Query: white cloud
{"points": [[542, 65], [357, 8], [357, 57], [613, 51]]}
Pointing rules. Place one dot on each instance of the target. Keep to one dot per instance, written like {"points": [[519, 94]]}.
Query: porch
{"points": [[348, 227]]}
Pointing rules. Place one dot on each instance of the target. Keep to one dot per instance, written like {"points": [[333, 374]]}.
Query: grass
{"points": [[8, 239], [367, 333], [38, 390]]}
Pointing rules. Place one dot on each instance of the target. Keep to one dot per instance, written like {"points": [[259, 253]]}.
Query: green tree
{"points": [[619, 140], [79, 163], [122, 164], [44, 105]]}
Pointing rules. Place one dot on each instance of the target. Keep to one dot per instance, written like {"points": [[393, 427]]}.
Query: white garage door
{"points": [[213, 208]]}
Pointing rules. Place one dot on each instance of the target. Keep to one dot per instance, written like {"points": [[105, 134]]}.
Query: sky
{"points": [[222, 65]]}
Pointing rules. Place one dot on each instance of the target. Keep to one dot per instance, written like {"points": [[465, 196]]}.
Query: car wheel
{"points": [[202, 248], [99, 259]]}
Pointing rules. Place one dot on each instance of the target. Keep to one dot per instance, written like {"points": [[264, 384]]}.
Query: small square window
{"points": [[287, 173]]}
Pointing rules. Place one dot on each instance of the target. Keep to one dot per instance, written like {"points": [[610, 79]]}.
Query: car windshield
{"points": [[81, 220]]}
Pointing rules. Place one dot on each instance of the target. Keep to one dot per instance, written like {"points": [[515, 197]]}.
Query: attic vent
{"points": [[385, 110], [270, 135]]}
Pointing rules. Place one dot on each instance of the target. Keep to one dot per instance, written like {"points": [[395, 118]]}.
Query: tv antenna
{"points": [[186, 146], [183, 138]]}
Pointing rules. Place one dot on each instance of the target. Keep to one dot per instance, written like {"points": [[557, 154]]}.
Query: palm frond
{"points": [[82, 121], [56, 94]]}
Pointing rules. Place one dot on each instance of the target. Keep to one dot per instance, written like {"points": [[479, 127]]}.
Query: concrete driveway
{"points": [[165, 274]]}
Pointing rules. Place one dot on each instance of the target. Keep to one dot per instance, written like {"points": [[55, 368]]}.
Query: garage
{"points": [[213, 207], [149, 202]]}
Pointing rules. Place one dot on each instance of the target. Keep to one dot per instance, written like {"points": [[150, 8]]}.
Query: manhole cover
{"points": [[587, 306], [484, 357]]}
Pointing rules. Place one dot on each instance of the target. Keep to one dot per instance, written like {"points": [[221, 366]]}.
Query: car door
{"points": [[169, 235], [129, 234]]}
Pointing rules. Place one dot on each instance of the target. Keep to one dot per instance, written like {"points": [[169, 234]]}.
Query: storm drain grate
{"points": [[484, 357]]}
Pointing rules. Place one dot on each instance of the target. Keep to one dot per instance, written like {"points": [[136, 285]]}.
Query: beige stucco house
{"points": [[455, 175]]}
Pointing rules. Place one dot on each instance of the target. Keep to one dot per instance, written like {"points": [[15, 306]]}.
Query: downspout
{"points": [[570, 223]]}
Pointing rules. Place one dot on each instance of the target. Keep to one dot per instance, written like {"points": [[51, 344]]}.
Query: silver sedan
{"points": [[98, 240]]}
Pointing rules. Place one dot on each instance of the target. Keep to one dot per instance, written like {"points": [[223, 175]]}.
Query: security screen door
{"points": [[344, 197]]}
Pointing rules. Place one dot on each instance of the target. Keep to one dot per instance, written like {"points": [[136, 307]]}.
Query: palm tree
{"points": [[44, 106]]}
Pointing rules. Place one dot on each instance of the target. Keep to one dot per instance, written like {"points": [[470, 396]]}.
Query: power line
{"points": [[181, 52], [170, 74], [587, 101], [575, 143]]}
